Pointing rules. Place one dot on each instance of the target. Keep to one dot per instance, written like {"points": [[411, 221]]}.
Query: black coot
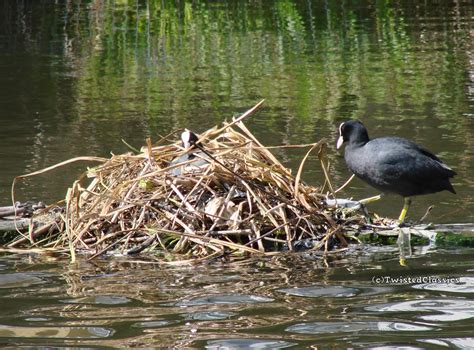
{"points": [[393, 164], [189, 143]]}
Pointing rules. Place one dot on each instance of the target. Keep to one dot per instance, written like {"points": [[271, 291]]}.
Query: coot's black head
{"points": [[352, 131], [189, 139]]}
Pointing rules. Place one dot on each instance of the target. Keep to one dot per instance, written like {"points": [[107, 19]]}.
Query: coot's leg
{"points": [[365, 201], [407, 202]]}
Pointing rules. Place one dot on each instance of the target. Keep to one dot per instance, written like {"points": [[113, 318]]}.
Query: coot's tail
{"points": [[448, 173], [449, 187]]}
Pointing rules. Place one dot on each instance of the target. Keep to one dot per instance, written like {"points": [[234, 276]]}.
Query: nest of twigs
{"points": [[240, 200]]}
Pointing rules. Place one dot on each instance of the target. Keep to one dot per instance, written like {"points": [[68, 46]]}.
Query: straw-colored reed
{"points": [[241, 200]]}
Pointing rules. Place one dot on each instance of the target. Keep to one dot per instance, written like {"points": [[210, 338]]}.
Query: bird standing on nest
{"points": [[393, 164]]}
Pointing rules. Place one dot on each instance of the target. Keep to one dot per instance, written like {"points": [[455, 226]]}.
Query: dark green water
{"points": [[76, 77], [294, 301]]}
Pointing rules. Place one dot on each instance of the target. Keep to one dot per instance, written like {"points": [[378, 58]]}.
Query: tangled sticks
{"points": [[241, 200]]}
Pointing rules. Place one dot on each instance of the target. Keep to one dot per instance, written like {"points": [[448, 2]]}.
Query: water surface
{"points": [[293, 301]]}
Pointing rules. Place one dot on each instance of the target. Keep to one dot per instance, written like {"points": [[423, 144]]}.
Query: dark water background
{"points": [[77, 77]]}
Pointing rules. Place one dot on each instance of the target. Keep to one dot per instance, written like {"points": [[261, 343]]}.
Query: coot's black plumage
{"points": [[189, 141], [393, 164]]}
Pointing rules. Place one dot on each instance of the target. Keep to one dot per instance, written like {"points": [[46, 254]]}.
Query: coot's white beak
{"points": [[340, 141]]}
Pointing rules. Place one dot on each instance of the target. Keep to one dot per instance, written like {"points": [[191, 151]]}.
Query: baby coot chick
{"points": [[393, 164], [189, 143]]}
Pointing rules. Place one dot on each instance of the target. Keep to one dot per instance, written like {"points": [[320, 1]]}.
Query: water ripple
{"points": [[444, 310], [322, 291], [19, 280], [236, 344], [225, 299], [100, 300], [338, 327], [55, 332], [209, 315], [153, 324], [459, 343], [465, 285]]}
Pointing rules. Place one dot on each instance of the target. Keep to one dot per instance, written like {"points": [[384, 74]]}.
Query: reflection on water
{"points": [[456, 343], [446, 310], [19, 280], [247, 344], [54, 332], [278, 302], [225, 299], [465, 285], [322, 291], [100, 299], [340, 327]]}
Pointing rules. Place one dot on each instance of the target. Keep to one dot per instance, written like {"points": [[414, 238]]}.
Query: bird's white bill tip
{"points": [[340, 141]]}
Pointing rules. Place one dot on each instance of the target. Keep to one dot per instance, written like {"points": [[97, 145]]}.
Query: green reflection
{"points": [[157, 58], [153, 57]]}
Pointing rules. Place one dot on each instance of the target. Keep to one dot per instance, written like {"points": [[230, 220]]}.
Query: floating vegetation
{"points": [[231, 197]]}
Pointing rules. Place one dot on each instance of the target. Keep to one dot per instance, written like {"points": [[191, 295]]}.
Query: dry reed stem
{"points": [[243, 200]]}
